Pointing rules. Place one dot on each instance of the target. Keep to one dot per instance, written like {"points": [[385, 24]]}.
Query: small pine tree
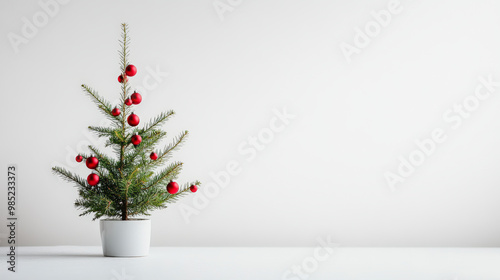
{"points": [[129, 184]]}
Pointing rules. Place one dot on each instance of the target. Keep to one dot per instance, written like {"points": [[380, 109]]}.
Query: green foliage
{"points": [[129, 184]]}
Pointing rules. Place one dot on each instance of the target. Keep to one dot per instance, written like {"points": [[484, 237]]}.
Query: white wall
{"points": [[324, 173]]}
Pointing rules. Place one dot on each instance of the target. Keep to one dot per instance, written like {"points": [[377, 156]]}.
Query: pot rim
{"points": [[129, 220]]}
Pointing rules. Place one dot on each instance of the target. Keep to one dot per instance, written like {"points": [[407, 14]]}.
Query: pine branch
{"points": [[115, 137], [98, 205], [103, 104], [148, 142], [171, 198], [176, 143], [167, 174], [103, 131], [69, 176], [124, 43], [158, 121], [104, 161], [158, 199]]}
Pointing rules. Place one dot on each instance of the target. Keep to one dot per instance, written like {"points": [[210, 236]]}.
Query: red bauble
{"points": [[133, 120], [172, 187], [136, 139], [153, 156], [92, 162], [115, 112], [136, 98], [120, 79], [193, 188], [131, 70], [93, 179], [79, 158], [128, 102]]}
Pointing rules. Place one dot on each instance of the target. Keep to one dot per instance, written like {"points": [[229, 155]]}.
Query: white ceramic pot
{"points": [[130, 238]]}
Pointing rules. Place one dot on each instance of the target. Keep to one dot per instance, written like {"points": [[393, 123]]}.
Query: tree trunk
{"points": [[125, 210]]}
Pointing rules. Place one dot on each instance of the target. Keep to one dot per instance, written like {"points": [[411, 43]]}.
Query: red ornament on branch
{"points": [[136, 98], [172, 187], [133, 120], [136, 139], [115, 112], [79, 158], [121, 78], [153, 156], [193, 188], [93, 179], [128, 102], [92, 162], [131, 70]]}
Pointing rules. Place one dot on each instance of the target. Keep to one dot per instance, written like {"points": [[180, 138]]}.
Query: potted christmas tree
{"points": [[129, 183]]}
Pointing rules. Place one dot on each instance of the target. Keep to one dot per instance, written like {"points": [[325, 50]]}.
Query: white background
{"points": [[323, 174]]}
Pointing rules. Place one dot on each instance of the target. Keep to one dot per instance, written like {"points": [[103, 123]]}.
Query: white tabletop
{"points": [[72, 262]]}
